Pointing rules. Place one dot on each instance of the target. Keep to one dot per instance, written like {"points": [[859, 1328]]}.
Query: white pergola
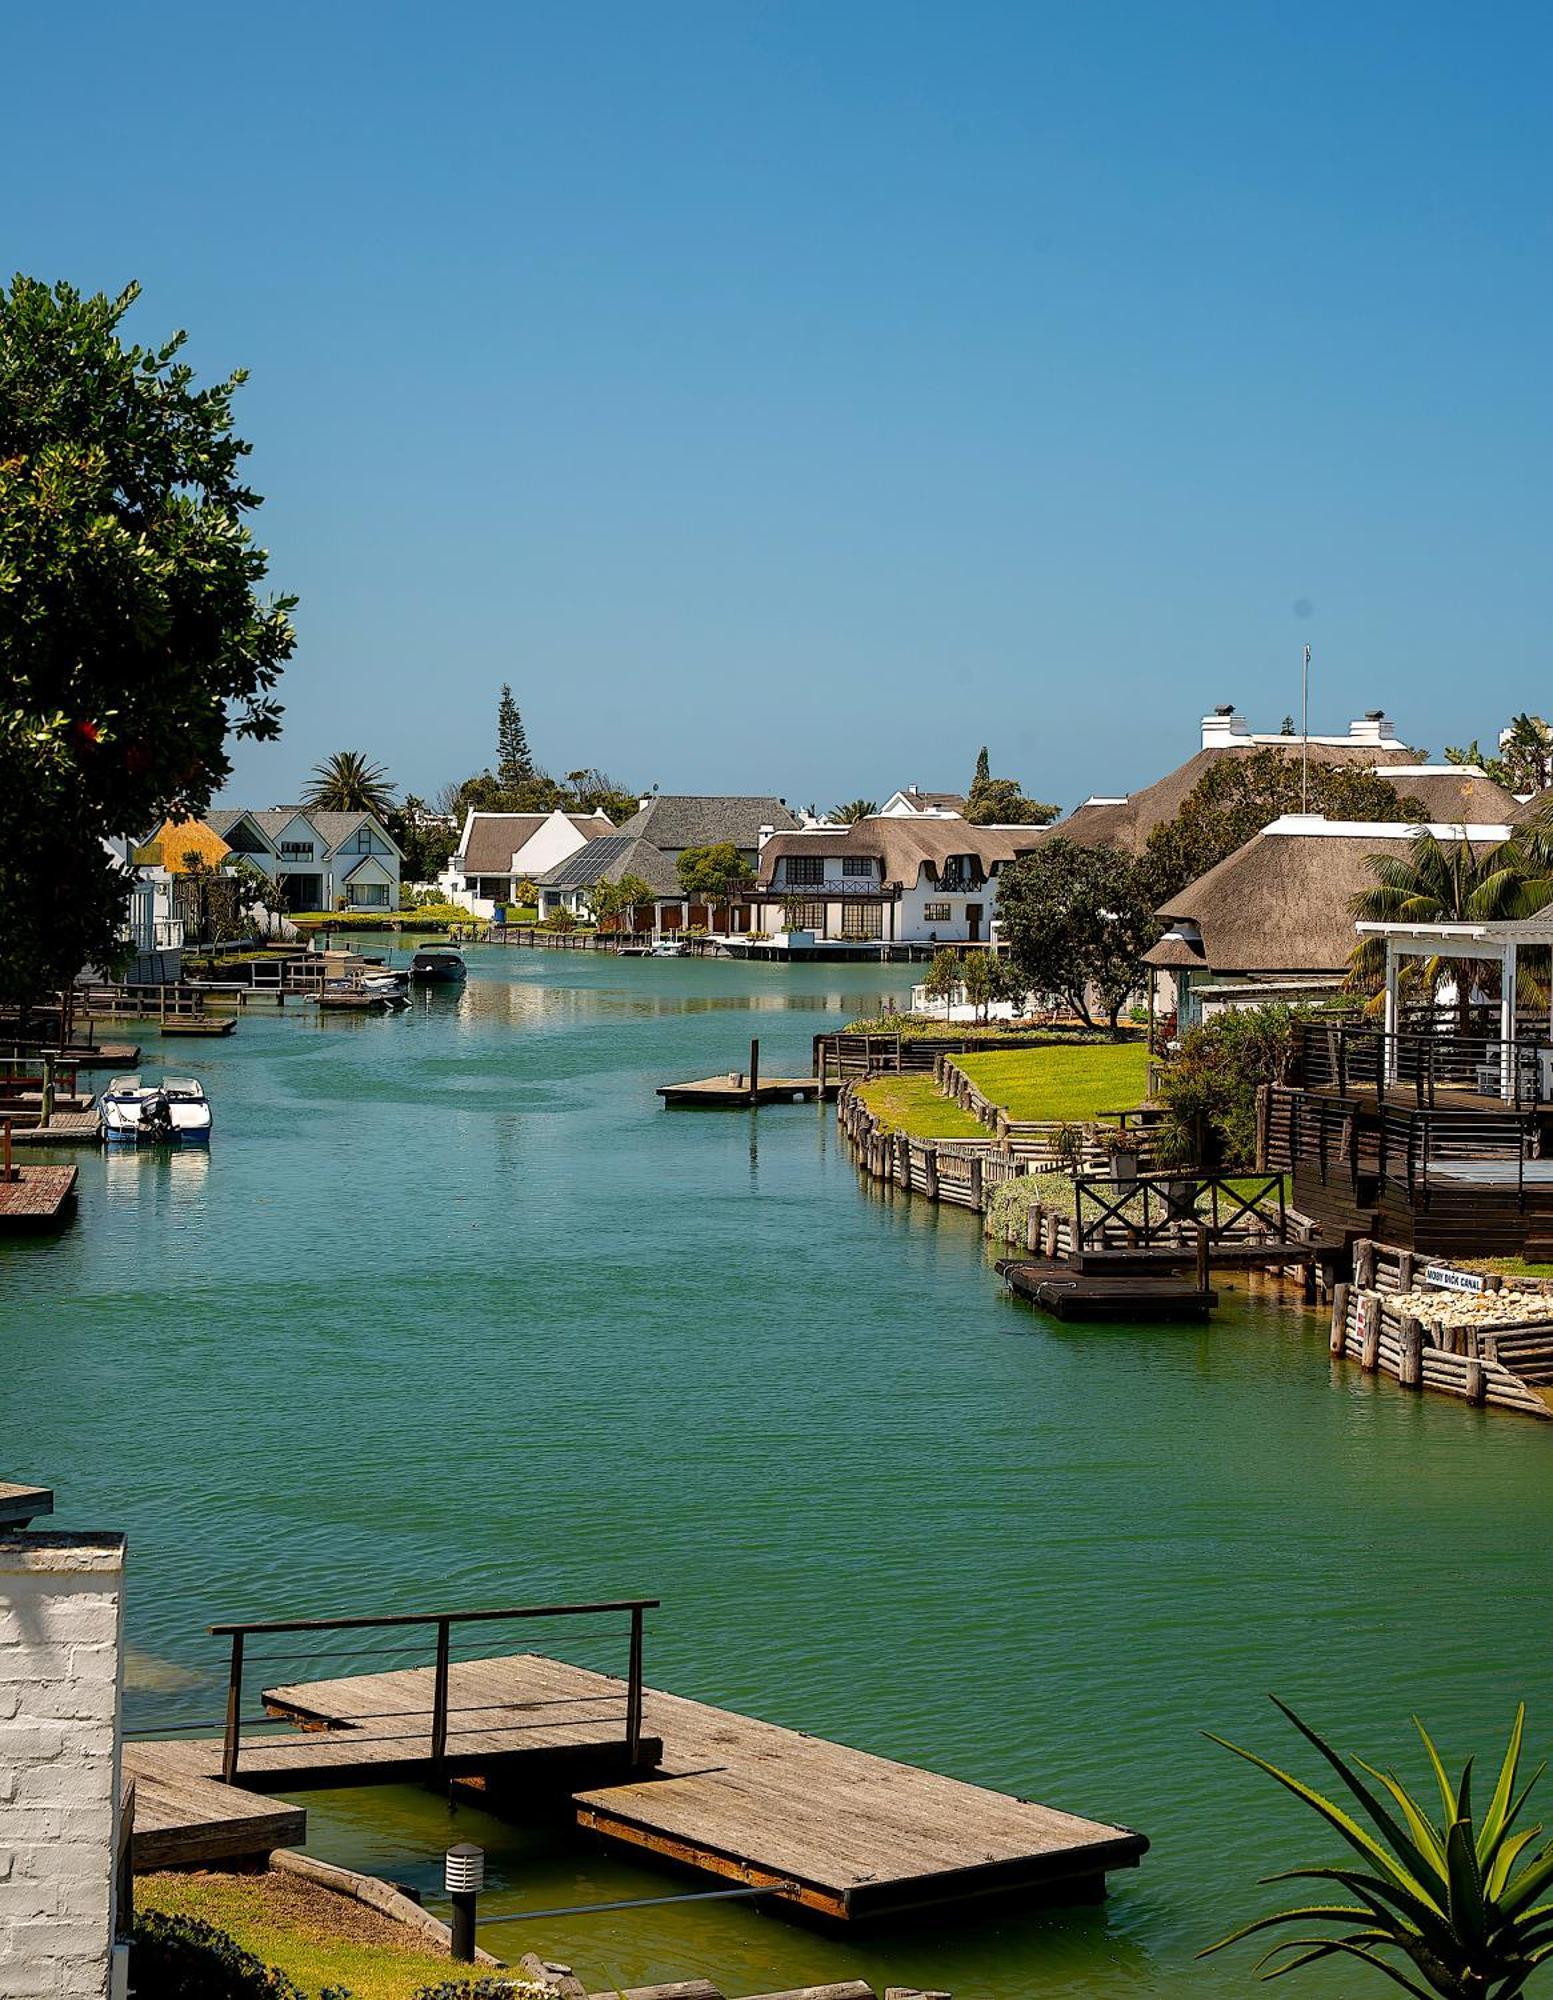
{"points": [[1499, 943]]}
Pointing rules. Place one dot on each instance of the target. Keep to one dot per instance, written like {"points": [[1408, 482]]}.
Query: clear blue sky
{"points": [[791, 396]]}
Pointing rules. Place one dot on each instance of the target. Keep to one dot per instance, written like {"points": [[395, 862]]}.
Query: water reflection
{"points": [[167, 1178]]}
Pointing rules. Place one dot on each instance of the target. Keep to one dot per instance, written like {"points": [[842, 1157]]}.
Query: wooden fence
{"points": [[1506, 1364], [1047, 1145]]}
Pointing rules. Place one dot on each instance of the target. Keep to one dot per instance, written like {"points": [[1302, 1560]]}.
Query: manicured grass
{"points": [[316, 1937], [1066, 1083], [912, 1104]]}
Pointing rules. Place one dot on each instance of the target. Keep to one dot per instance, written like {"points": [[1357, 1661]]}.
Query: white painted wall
{"points": [[61, 1631], [549, 843]]}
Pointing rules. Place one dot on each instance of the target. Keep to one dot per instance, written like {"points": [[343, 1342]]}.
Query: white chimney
{"points": [[764, 835], [1223, 728], [1372, 727]]}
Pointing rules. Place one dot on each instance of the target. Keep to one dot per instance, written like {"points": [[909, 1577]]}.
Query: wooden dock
{"points": [[831, 1829], [36, 1198], [743, 1089], [20, 1504], [1116, 1290], [65, 1128], [195, 1026]]}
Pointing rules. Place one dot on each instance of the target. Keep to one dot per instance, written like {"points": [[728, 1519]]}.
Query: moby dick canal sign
{"points": [[1444, 1279]]}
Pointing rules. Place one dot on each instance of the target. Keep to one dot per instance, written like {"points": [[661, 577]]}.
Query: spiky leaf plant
{"points": [[1448, 1906]]}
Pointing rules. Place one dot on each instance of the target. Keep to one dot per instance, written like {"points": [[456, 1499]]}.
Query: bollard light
{"points": [[463, 1872], [464, 1869]]}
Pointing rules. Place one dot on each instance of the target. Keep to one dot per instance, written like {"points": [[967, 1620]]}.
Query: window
{"points": [[811, 917], [806, 868], [296, 850], [937, 913], [365, 841], [371, 895], [862, 920], [858, 864], [494, 888]]}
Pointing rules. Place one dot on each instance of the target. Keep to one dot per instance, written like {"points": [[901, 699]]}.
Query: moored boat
{"points": [[175, 1112], [439, 965]]}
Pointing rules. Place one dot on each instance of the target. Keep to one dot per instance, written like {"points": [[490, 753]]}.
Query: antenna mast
{"points": [[1305, 734]]}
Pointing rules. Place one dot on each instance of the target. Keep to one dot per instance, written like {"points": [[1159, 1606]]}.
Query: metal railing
{"points": [[1417, 1067], [443, 1623]]}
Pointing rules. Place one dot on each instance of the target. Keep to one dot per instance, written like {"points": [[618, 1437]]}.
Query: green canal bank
{"points": [[455, 1312]]}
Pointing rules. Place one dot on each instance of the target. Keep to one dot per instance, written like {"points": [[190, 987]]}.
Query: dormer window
{"points": [[858, 864]]}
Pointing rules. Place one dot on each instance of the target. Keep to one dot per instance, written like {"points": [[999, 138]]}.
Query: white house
{"points": [[920, 877], [153, 929], [322, 860], [497, 852], [913, 802]]}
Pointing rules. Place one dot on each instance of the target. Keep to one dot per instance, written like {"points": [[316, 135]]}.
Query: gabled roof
{"points": [[331, 829], [493, 840], [1281, 902], [914, 800], [607, 859], [674, 820], [175, 838], [225, 818], [1127, 822], [902, 844]]}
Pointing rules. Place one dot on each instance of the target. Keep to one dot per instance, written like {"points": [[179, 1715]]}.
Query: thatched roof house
{"points": [[1126, 820], [1276, 912]]}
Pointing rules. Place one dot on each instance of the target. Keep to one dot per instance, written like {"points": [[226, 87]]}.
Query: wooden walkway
{"points": [[21, 1504], [65, 1128], [720, 1093], [833, 1829], [36, 1197], [1059, 1286]]}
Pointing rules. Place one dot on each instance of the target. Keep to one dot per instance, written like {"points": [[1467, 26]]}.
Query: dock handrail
{"points": [[443, 1621]]}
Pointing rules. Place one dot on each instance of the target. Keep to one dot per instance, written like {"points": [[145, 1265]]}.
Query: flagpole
{"points": [[1305, 733]]}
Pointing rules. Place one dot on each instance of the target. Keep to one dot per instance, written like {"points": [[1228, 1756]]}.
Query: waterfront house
{"points": [[570, 884], [498, 852], [1125, 820], [910, 878], [321, 860], [911, 801], [675, 822], [1273, 920]]}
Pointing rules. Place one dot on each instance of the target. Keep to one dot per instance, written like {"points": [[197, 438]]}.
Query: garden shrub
{"points": [[184, 1958]]}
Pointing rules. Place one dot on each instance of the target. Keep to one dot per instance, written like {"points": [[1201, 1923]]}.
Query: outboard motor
{"points": [[156, 1119]]}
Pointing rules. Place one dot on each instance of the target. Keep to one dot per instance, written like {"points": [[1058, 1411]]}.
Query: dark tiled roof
{"points": [[494, 838], [607, 859], [679, 820], [945, 801]]}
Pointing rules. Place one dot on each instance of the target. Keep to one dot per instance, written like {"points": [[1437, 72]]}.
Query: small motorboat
{"points": [[390, 986], [175, 1112], [439, 965], [668, 948]]}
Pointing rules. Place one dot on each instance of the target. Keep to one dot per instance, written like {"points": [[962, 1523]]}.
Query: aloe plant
{"points": [[1442, 1907]]}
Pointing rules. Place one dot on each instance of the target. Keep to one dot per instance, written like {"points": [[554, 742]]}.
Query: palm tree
{"points": [[854, 809], [1447, 1907], [346, 782], [1440, 882]]}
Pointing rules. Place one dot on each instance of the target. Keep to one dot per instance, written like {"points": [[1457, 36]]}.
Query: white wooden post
{"points": [[1389, 1042], [1507, 1025]]}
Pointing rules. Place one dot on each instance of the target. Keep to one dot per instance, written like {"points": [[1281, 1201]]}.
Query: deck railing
{"points": [[1416, 1067], [1159, 1209], [442, 1622]]}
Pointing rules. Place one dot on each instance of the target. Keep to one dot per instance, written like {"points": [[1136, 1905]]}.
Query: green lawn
{"points": [[1067, 1083], [912, 1104], [316, 1937]]}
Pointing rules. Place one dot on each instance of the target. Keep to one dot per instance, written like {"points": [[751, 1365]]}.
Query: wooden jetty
{"points": [[1121, 1288], [36, 1197], [20, 1504], [65, 1128], [741, 1090], [825, 1828], [195, 1026]]}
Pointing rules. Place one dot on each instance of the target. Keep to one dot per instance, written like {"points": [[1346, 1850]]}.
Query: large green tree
{"points": [[1237, 796], [514, 763], [714, 874], [133, 639], [1525, 760], [1077, 920], [1001, 801]]}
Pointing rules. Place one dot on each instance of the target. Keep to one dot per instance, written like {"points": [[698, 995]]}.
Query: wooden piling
{"points": [[1369, 1347], [976, 1201], [1338, 1340], [1364, 1264], [1410, 1369], [1477, 1383], [1033, 1217], [754, 1065]]}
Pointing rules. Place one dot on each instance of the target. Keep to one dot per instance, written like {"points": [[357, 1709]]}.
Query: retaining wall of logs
{"points": [[1500, 1364], [1039, 1142]]}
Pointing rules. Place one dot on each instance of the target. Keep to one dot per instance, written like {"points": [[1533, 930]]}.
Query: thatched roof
{"points": [[1127, 823], [1527, 810], [176, 838], [903, 845], [677, 820], [1281, 902], [1454, 793]]}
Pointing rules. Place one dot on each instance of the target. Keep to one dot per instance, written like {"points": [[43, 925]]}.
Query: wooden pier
{"points": [[743, 1089], [825, 1828], [65, 1128], [21, 1504], [1154, 1289], [36, 1197]]}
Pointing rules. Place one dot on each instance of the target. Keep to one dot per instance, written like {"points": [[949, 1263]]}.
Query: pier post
{"points": [[930, 1170], [234, 1711], [634, 1689], [1033, 1228], [976, 1171], [1369, 1328], [754, 1068], [1477, 1383], [439, 1701], [46, 1095], [1410, 1369], [1338, 1339]]}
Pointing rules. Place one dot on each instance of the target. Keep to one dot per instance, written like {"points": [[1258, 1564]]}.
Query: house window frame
{"points": [[805, 871], [938, 913], [862, 920], [857, 865]]}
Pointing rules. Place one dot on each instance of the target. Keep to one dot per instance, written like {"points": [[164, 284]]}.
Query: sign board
{"points": [[1445, 1279]]}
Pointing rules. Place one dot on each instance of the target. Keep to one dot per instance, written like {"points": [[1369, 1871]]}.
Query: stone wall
{"points": [[61, 1605]]}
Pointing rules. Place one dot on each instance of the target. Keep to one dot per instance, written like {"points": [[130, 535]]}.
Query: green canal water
{"points": [[453, 1313]]}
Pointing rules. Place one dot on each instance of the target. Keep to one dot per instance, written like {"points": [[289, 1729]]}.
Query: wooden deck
{"points": [[195, 1027], [834, 1830], [720, 1093], [21, 1504], [1059, 1286], [36, 1197], [65, 1128]]}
